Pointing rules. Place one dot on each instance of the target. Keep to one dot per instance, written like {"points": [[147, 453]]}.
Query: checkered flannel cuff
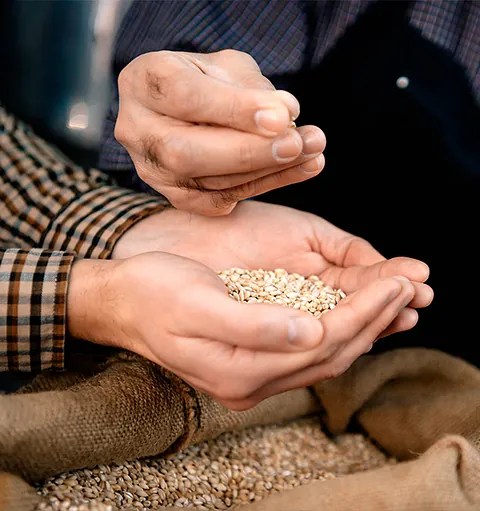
{"points": [[91, 224], [33, 287]]}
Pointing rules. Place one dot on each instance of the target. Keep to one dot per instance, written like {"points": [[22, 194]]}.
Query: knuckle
{"points": [[142, 172], [177, 155], [157, 86], [153, 151], [223, 199], [236, 54], [159, 74], [124, 80], [234, 110], [255, 80], [174, 156], [336, 369], [245, 157], [148, 175], [121, 132]]}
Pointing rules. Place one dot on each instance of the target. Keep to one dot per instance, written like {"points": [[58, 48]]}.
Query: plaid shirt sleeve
{"points": [[33, 286], [51, 211]]}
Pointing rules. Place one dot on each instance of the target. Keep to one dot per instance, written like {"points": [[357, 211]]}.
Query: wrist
{"points": [[89, 301], [151, 234]]}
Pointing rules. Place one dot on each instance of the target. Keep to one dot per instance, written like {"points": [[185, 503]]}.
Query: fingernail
{"points": [[286, 148], [312, 166], [312, 143], [303, 333], [271, 122]]}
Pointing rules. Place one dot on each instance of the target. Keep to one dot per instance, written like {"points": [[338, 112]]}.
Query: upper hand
{"points": [[208, 130], [260, 235]]}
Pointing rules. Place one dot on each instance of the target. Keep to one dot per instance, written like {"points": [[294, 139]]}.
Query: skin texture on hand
{"points": [[209, 130], [177, 313], [259, 235]]}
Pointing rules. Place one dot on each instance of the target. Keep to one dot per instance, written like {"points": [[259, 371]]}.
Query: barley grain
{"points": [[237, 467], [279, 287]]}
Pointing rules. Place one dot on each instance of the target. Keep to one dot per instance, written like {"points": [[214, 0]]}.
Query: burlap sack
{"points": [[406, 400], [124, 409]]}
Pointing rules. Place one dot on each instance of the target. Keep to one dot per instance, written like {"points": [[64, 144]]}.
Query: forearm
{"points": [[91, 300], [49, 298], [46, 201]]}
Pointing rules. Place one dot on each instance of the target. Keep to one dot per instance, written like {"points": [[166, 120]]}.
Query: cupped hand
{"points": [[177, 313], [260, 235], [208, 130]]}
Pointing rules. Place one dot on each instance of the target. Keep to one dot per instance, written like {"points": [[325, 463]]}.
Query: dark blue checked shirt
{"points": [[283, 37], [402, 163]]}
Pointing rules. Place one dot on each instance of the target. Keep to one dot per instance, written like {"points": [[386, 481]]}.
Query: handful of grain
{"points": [[309, 294]]}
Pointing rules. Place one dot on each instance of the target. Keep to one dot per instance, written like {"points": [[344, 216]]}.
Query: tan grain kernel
{"points": [[237, 467]]}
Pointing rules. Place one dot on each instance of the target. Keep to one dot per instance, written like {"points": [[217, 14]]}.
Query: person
{"points": [[83, 258], [204, 96]]}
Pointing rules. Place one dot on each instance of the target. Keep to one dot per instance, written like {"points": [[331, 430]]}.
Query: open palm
{"points": [[260, 235]]}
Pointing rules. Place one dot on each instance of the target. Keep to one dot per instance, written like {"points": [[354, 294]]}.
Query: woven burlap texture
{"points": [[422, 406]]}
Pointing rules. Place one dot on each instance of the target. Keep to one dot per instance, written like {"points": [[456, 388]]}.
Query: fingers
{"points": [[370, 309], [406, 320], [356, 342], [232, 66], [198, 151], [423, 296], [240, 68], [188, 151], [185, 118], [410, 268], [354, 277], [174, 87], [305, 163], [254, 375], [341, 248], [313, 144], [286, 177], [222, 202]]}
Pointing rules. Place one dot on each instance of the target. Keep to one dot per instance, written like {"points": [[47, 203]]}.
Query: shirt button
{"points": [[403, 82]]}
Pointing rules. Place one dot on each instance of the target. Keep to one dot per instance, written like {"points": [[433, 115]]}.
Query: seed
{"points": [[241, 467], [237, 467], [277, 286]]}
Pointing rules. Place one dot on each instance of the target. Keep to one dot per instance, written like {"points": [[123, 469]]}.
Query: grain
{"points": [[279, 287], [237, 467]]}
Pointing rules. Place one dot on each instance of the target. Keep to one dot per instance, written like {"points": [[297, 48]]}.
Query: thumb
{"points": [[260, 326]]}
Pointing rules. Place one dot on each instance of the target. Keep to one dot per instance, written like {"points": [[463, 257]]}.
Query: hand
{"points": [[208, 130], [259, 235], [177, 313]]}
